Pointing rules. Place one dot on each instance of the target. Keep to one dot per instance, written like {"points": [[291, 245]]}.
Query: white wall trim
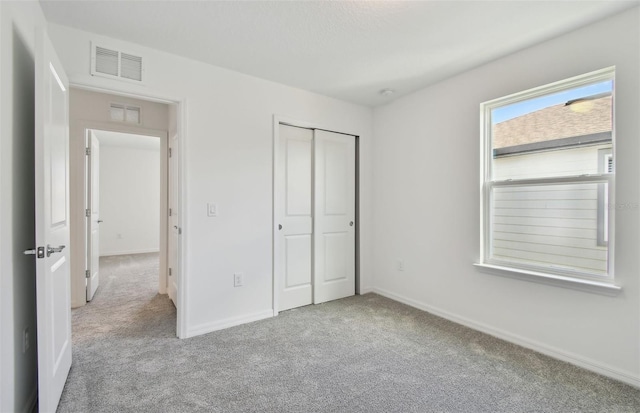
{"points": [[228, 322], [586, 363], [143, 251], [30, 404]]}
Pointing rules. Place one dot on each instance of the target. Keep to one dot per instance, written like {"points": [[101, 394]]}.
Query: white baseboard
{"points": [[30, 404], [227, 322], [586, 363], [130, 252]]}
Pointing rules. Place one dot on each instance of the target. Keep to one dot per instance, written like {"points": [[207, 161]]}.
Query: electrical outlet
{"points": [[25, 340], [400, 265], [238, 280]]}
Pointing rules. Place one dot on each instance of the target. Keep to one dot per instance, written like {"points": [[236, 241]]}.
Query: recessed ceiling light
{"points": [[387, 92]]}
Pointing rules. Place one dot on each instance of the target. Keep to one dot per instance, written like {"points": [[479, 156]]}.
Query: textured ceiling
{"points": [[349, 50]]}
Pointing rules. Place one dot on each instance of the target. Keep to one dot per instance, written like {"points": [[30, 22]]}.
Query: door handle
{"points": [[53, 250], [99, 221], [279, 227], [351, 223], [38, 252]]}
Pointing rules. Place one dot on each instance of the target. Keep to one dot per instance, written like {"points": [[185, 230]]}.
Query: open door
{"points": [[334, 207], [93, 214], [53, 295], [174, 223]]}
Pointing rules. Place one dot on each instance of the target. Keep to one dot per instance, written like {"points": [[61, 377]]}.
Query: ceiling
{"points": [[127, 140], [350, 50]]}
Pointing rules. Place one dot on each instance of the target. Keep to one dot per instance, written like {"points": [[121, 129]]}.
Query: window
{"points": [[548, 174]]}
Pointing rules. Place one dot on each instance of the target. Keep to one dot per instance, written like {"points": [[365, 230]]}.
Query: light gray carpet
{"points": [[360, 354]]}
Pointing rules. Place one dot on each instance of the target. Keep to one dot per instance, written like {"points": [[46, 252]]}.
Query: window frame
{"points": [[487, 184]]}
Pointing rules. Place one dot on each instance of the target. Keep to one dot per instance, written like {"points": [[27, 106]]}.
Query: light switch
{"points": [[212, 210]]}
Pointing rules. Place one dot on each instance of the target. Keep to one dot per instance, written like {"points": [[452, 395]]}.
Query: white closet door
{"points": [[294, 223], [334, 207]]}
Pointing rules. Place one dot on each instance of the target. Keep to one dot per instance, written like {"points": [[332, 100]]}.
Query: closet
{"points": [[315, 216]]}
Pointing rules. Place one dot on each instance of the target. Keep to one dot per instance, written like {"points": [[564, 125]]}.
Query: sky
{"points": [[531, 105]]}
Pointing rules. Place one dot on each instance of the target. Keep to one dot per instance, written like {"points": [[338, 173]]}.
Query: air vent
{"points": [[119, 112], [106, 61], [131, 67], [112, 63]]}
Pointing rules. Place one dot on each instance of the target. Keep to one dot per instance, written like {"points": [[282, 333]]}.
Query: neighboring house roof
{"points": [[590, 116]]}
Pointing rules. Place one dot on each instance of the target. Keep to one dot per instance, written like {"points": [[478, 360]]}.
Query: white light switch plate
{"points": [[212, 210]]}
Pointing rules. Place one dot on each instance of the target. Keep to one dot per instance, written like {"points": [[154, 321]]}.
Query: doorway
{"points": [[123, 199], [315, 211], [100, 112]]}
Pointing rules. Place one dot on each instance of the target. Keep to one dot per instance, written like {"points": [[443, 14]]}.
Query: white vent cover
{"points": [[112, 63], [119, 112]]}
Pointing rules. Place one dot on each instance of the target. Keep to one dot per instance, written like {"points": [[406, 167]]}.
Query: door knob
{"points": [[99, 221], [279, 227], [38, 252], [351, 223], [53, 250]]}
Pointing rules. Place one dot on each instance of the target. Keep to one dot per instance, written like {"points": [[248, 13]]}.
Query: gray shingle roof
{"points": [[580, 118]]}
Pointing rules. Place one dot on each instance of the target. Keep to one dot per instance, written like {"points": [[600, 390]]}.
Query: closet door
{"points": [[334, 208], [293, 217]]}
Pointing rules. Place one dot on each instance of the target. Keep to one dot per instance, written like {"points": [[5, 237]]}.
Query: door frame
{"points": [[285, 120], [77, 237], [164, 187]]}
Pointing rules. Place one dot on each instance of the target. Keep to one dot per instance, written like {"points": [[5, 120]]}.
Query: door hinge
{"points": [[87, 151], [87, 213], [170, 152], [170, 211], [169, 271], [87, 273]]}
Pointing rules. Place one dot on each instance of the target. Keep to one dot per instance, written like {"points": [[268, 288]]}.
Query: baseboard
{"points": [[366, 290], [30, 404], [586, 363], [227, 322], [130, 252]]}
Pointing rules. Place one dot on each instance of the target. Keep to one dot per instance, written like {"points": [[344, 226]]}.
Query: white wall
{"points": [[18, 376], [427, 205], [129, 199], [228, 160]]}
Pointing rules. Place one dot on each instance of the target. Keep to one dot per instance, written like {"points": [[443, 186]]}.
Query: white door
{"points": [[93, 215], [293, 217], [53, 294], [174, 226], [334, 213]]}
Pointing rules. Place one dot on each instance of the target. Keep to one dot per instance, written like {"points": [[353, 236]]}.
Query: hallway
{"points": [[126, 319]]}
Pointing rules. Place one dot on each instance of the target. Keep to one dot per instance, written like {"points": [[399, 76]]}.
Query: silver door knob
{"points": [[279, 227], [351, 223], [38, 252], [53, 250], [99, 221]]}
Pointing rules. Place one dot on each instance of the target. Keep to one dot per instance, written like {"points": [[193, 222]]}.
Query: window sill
{"points": [[591, 286]]}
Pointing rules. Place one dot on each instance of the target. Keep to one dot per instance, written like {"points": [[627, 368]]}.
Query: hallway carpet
{"points": [[360, 354]]}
